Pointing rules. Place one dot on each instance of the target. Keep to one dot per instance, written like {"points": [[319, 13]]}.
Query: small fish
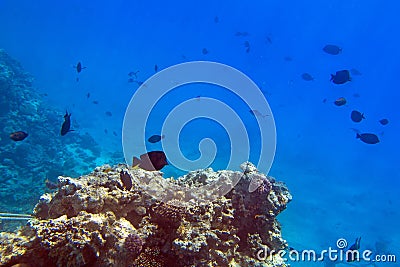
{"points": [[155, 68], [108, 113], [50, 185], [355, 72], [105, 131], [368, 138], [133, 74], [288, 58], [241, 34], [87, 95], [79, 67], [340, 101], [384, 121], [357, 116], [324, 100], [216, 19], [204, 51], [341, 77], [65, 127], [114, 133], [151, 161], [355, 246], [18, 136], [332, 49], [247, 45], [257, 113], [307, 77], [155, 138], [126, 180], [95, 102]]}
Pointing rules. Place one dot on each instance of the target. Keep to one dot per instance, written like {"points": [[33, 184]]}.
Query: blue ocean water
{"points": [[342, 187]]}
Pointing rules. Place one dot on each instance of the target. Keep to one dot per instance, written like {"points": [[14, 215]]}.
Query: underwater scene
{"points": [[212, 133]]}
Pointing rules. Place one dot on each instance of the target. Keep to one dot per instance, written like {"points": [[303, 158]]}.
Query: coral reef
{"points": [[95, 220], [43, 154]]}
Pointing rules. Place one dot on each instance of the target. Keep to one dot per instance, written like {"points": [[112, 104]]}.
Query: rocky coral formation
{"points": [[95, 220], [43, 154]]}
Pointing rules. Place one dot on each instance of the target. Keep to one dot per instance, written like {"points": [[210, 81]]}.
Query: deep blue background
{"points": [[341, 186]]}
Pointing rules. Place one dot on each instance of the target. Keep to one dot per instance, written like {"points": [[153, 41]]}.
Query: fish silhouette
{"points": [[151, 161], [65, 128], [18, 136]]}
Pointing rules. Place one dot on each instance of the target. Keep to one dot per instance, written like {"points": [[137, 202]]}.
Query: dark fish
{"points": [[114, 133], [105, 131], [241, 34], [247, 45], [355, 246], [357, 116], [87, 95], [18, 136], [341, 77], [288, 58], [65, 128], [307, 77], [79, 67], [384, 121], [355, 72], [204, 51], [151, 161], [155, 68], [126, 180], [108, 113], [340, 101], [95, 102], [324, 100], [368, 138], [50, 185], [133, 74], [216, 19], [155, 138], [257, 113], [332, 49]]}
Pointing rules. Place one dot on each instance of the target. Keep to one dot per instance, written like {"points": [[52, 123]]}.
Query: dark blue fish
{"points": [[384, 121], [357, 116], [341, 77], [155, 68], [368, 138], [18, 136], [65, 128], [204, 51], [332, 49], [155, 138], [79, 67], [108, 113], [356, 246], [151, 161], [307, 77]]}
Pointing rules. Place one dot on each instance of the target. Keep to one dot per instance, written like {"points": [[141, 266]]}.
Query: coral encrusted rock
{"points": [[96, 220]]}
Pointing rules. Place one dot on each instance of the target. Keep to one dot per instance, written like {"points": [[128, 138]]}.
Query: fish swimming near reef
{"points": [[356, 246], [79, 67], [341, 77], [357, 116], [66, 126], [155, 138], [332, 49], [126, 180], [18, 136], [151, 161], [368, 138], [307, 77], [50, 185], [340, 101]]}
